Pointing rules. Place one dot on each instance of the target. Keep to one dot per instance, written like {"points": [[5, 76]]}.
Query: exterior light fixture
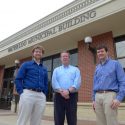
{"points": [[88, 41], [17, 63]]}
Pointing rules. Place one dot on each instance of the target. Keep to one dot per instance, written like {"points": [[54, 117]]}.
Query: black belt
{"points": [[69, 94], [105, 91], [35, 90]]}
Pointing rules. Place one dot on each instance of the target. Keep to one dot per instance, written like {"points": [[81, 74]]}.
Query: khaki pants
{"points": [[104, 113], [31, 107]]}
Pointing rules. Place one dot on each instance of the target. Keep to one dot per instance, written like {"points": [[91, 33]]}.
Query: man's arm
{"points": [[121, 81], [46, 82], [55, 85], [77, 82], [93, 92], [19, 78]]}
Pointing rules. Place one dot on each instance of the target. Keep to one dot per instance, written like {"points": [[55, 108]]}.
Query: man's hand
{"points": [[115, 104], [93, 105], [15, 93], [72, 89], [65, 94]]}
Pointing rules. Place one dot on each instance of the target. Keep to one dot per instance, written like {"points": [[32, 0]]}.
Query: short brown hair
{"points": [[102, 47], [65, 51], [38, 47]]}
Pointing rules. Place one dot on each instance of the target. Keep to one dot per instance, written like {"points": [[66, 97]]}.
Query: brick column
{"points": [[86, 63], [1, 77]]}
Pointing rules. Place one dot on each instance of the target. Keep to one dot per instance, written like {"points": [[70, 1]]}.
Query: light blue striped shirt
{"points": [[65, 77], [110, 76]]}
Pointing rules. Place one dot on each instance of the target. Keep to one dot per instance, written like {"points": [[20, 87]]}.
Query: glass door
{"points": [[7, 89], [6, 94]]}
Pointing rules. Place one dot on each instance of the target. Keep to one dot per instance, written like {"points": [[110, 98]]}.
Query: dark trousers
{"points": [[66, 107]]}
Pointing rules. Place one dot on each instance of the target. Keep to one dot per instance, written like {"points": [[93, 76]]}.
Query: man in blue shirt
{"points": [[32, 85], [66, 81], [108, 88]]}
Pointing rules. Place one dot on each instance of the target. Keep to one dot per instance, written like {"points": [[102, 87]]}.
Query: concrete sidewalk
{"points": [[9, 118]]}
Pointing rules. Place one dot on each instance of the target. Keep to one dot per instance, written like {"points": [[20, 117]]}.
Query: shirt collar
{"points": [[65, 66], [34, 62], [103, 63]]}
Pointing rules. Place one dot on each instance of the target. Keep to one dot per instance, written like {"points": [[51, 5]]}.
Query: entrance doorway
{"points": [[6, 94]]}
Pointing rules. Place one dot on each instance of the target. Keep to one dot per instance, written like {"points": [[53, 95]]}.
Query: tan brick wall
{"points": [[86, 63]]}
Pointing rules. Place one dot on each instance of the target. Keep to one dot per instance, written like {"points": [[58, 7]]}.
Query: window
{"points": [[9, 72], [120, 50], [7, 89], [74, 59], [56, 62]]}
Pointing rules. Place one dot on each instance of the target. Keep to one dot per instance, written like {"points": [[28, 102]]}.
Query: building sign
{"points": [[74, 7], [54, 30], [68, 12]]}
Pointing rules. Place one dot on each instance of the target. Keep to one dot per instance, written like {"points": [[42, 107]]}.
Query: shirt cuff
{"points": [[119, 98], [20, 92]]}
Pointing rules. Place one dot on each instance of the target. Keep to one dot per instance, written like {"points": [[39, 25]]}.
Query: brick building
{"points": [[65, 29]]}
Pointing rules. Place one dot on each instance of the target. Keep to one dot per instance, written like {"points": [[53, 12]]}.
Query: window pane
{"points": [[48, 64], [74, 59], [9, 72], [56, 62], [49, 76], [122, 61], [120, 49]]}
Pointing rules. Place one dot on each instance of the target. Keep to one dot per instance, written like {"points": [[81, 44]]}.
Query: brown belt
{"points": [[104, 91]]}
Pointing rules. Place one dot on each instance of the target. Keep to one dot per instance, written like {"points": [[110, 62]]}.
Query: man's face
{"points": [[102, 54], [65, 58], [37, 54]]}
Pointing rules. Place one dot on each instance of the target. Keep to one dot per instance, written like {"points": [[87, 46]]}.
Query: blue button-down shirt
{"points": [[65, 77], [110, 76], [32, 76]]}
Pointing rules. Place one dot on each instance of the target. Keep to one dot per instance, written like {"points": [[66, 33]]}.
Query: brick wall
{"points": [[1, 77], [86, 63]]}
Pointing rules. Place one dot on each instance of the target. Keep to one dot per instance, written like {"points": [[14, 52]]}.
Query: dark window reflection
{"points": [[56, 62], [48, 64]]}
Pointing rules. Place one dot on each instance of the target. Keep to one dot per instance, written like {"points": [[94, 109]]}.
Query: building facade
{"points": [[65, 29]]}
